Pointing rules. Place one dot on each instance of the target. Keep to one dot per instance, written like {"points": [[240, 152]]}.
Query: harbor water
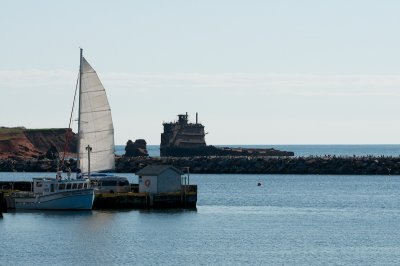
{"points": [[287, 220]]}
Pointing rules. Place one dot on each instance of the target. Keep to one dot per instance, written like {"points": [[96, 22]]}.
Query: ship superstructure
{"points": [[183, 134], [184, 139]]}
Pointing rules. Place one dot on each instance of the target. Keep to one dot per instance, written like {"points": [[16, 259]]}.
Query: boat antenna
{"points": [[78, 165]]}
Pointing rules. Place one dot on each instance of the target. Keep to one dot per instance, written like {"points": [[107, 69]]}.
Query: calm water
{"points": [[306, 150], [289, 220]]}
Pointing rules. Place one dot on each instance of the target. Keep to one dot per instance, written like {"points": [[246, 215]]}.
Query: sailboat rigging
{"points": [[95, 151], [95, 125]]}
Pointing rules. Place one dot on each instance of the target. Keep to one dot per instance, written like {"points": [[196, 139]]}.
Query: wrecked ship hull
{"points": [[217, 151]]}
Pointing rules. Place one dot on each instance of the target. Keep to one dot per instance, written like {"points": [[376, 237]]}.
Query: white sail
{"points": [[95, 123]]}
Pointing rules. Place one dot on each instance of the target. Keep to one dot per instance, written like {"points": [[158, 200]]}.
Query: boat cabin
{"points": [[44, 186]]}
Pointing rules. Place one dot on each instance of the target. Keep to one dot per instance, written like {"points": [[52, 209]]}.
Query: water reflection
{"points": [[53, 213], [168, 211]]}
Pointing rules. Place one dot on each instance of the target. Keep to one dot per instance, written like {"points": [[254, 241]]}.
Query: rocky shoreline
{"points": [[332, 165]]}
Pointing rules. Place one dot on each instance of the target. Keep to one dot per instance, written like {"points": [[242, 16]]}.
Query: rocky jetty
{"points": [[368, 165], [272, 165], [18, 164]]}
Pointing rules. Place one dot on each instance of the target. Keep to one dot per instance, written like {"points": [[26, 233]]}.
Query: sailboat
{"points": [[95, 152]]}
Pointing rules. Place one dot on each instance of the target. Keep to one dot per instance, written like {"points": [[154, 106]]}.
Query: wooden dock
{"points": [[2, 204], [187, 198]]}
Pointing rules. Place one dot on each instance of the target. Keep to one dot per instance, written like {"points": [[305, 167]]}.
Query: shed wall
{"points": [[152, 184], [169, 181]]}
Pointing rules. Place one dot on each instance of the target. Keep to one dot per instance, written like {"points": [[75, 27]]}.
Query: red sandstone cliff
{"points": [[30, 143]]}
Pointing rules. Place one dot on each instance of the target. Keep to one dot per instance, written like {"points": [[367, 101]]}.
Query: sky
{"points": [[257, 72]]}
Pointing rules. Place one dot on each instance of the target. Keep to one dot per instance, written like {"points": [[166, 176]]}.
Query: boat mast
{"points": [[79, 107]]}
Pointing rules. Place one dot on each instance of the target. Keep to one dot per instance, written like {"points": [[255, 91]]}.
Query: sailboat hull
{"points": [[68, 200]]}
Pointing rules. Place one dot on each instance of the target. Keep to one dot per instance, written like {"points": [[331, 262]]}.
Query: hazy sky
{"points": [[257, 72]]}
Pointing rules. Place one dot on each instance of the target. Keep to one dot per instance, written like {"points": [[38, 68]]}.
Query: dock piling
{"points": [[1, 204]]}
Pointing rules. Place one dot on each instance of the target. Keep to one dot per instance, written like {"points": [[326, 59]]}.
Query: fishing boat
{"points": [[54, 194], [95, 151]]}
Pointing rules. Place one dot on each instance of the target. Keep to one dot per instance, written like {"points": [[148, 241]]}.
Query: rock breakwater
{"points": [[367, 165]]}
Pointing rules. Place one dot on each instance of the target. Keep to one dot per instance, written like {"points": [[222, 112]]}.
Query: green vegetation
{"points": [[7, 133], [43, 129], [6, 130]]}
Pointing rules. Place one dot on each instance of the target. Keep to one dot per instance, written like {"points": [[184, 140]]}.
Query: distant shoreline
{"points": [[305, 150]]}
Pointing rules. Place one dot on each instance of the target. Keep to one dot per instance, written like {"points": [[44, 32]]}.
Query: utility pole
{"points": [[89, 150]]}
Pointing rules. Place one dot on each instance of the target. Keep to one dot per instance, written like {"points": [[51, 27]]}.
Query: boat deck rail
{"points": [[22, 194], [121, 194]]}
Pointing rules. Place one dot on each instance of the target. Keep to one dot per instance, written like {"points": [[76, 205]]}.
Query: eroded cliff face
{"points": [[31, 143]]}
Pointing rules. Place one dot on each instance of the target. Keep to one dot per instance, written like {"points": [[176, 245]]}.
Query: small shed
{"points": [[160, 179]]}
